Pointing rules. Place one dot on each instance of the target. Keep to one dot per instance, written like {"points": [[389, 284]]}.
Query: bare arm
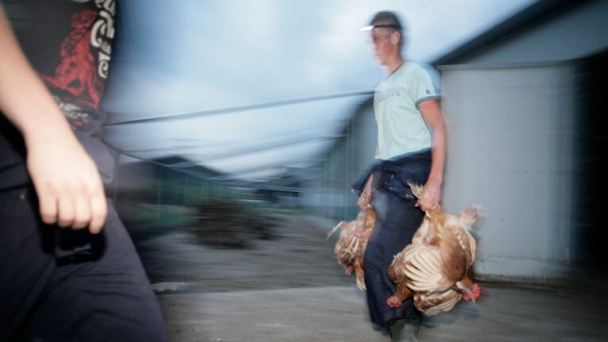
{"points": [[366, 195], [67, 182], [434, 119]]}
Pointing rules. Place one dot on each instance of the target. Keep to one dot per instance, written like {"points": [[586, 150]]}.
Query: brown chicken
{"points": [[436, 267], [352, 241]]}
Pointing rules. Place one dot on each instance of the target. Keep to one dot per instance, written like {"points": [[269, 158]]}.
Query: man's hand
{"points": [[431, 197], [67, 182]]}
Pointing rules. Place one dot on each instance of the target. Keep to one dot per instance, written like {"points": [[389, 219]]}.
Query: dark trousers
{"points": [[64, 285], [397, 221]]}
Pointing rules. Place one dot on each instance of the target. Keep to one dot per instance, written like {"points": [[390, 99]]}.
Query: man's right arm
{"points": [[66, 179]]}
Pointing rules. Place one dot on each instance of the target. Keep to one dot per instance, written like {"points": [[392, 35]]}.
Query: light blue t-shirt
{"points": [[401, 128]]}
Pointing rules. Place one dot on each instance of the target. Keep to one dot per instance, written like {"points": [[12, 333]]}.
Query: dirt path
{"points": [[298, 255], [291, 289]]}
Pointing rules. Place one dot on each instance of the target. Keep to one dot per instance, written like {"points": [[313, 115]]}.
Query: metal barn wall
{"points": [[143, 190], [510, 151], [328, 193], [575, 33]]}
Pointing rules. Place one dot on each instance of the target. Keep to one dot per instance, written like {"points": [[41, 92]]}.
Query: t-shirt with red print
{"points": [[69, 44]]}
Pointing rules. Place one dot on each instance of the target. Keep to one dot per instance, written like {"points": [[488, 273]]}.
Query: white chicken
{"points": [[436, 267]]}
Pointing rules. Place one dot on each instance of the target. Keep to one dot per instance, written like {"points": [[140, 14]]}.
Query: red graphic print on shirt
{"points": [[77, 72]]}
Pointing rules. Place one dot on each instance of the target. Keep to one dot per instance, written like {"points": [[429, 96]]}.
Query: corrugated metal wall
{"points": [[510, 151], [145, 193], [328, 194]]}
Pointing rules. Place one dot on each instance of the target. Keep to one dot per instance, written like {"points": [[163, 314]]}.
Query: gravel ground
{"points": [[299, 254]]}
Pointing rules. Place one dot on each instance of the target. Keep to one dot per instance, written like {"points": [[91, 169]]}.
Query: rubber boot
{"points": [[405, 330]]}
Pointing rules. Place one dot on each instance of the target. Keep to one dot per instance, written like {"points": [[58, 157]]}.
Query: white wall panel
{"points": [[510, 146]]}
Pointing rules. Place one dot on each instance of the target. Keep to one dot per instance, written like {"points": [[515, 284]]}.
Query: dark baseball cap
{"points": [[385, 19]]}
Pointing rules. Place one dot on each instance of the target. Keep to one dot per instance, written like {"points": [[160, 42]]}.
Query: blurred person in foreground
{"points": [[411, 147], [68, 268]]}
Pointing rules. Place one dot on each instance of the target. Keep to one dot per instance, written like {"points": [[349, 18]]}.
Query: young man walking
{"points": [[411, 147]]}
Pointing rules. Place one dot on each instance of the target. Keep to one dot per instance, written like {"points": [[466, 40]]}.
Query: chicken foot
{"points": [[403, 292]]}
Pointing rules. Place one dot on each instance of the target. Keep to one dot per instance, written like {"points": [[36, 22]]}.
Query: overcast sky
{"points": [[195, 56]]}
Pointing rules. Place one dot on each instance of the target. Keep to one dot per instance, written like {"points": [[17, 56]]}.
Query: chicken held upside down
{"points": [[436, 267], [350, 247]]}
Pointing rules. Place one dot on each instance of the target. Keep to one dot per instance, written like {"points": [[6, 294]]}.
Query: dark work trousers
{"points": [[63, 285], [397, 221]]}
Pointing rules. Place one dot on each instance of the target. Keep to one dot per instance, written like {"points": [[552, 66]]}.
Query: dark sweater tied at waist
{"points": [[393, 175]]}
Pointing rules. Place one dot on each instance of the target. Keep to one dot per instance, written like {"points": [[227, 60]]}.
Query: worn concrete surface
{"points": [[291, 289], [338, 314]]}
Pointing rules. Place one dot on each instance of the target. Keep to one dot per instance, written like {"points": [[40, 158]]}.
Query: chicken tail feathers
{"points": [[339, 225], [470, 215]]}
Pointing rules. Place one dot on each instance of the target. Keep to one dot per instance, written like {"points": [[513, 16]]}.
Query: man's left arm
{"points": [[431, 113]]}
